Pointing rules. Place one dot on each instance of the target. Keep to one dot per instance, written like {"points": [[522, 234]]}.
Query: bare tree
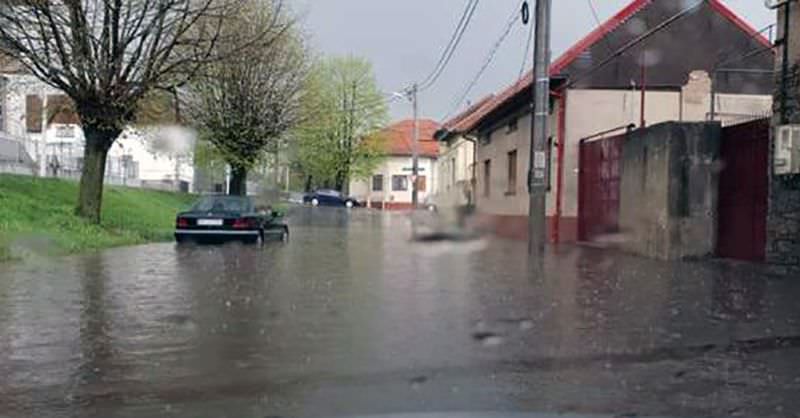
{"points": [[106, 55], [243, 106]]}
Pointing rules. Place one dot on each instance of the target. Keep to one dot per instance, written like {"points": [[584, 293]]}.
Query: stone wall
{"points": [[668, 190], [783, 218]]}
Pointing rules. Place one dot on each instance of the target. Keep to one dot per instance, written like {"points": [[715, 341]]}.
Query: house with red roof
{"points": [[654, 61], [389, 186]]}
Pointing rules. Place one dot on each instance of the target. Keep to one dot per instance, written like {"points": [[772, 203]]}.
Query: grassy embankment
{"points": [[37, 215]]}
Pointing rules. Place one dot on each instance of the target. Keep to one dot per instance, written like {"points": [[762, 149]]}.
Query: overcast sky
{"points": [[404, 40]]}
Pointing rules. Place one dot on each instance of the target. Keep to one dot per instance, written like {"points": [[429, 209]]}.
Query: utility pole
{"points": [[537, 176], [415, 149]]}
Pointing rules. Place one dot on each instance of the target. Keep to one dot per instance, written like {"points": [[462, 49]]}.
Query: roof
{"points": [[464, 118], [574, 52], [399, 138]]}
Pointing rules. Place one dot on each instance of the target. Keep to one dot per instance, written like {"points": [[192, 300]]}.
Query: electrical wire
{"points": [[455, 40], [597, 20], [487, 62], [638, 40]]}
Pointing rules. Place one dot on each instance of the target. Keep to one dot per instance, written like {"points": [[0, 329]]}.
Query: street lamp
{"points": [[410, 94]]}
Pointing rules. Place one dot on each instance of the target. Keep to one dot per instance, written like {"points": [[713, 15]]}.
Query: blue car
{"points": [[325, 197]]}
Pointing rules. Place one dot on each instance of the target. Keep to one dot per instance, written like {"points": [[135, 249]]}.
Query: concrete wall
{"points": [[783, 216], [396, 165], [668, 191]]}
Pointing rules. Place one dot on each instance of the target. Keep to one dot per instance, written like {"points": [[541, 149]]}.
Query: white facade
{"points": [[58, 149], [384, 187], [455, 167]]}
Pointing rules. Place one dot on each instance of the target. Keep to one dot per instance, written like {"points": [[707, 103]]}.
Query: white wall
{"points": [[454, 172], [395, 165]]}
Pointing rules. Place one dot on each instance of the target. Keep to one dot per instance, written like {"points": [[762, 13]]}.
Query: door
{"points": [[743, 182], [599, 187]]}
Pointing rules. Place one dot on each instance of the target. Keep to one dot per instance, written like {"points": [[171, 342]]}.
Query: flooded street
{"points": [[349, 318]]}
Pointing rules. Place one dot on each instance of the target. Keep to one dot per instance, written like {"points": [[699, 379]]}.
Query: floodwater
{"points": [[351, 318]]}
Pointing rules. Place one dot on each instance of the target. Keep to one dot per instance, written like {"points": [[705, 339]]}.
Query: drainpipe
{"points": [[561, 96]]}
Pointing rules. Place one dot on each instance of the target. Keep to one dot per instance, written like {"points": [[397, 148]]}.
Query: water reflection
{"points": [[351, 317], [96, 341]]}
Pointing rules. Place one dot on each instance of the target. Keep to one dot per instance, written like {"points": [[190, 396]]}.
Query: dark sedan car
{"points": [[325, 197], [228, 218]]}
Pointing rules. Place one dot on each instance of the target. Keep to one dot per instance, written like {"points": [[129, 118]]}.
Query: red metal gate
{"points": [[743, 182], [599, 187]]}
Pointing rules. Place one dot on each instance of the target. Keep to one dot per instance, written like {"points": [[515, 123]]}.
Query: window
{"points": [[61, 110], [512, 126], [422, 183], [377, 183], [512, 173], [487, 178], [33, 113], [399, 183], [453, 171]]}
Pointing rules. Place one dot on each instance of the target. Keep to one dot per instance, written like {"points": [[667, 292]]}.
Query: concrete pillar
{"points": [[783, 219]]}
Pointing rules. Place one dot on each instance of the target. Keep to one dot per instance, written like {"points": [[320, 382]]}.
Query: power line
{"points": [[492, 53], [447, 54], [600, 24], [638, 40]]}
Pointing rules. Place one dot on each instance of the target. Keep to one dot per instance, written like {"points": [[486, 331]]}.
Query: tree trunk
{"points": [[308, 183], [90, 195], [341, 181], [238, 182]]}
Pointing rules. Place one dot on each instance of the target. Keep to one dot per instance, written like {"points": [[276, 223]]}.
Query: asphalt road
{"points": [[351, 318]]}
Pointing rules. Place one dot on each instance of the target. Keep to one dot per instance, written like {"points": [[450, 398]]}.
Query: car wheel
{"points": [[315, 202], [349, 204]]}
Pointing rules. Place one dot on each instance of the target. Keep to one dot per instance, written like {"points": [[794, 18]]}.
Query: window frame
{"points": [[382, 181], [511, 173], [405, 183], [487, 177]]}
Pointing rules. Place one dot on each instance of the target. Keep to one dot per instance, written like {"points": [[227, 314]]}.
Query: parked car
{"points": [[325, 197], [229, 218]]}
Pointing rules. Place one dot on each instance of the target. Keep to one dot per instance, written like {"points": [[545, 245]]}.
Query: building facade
{"points": [[390, 185], [612, 80], [41, 120]]}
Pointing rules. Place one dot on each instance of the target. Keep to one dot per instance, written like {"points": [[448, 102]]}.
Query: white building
{"points": [[40, 118], [389, 187], [457, 162]]}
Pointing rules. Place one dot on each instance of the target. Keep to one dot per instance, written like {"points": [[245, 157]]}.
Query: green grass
{"points": [[38, 215]]}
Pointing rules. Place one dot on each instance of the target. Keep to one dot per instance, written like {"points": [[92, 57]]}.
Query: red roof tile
{"points": [[589, 40], [399, 138], [458, 121]]}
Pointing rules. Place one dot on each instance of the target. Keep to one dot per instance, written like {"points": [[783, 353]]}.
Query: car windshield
{"points": [[400, 208], [223, 204]]}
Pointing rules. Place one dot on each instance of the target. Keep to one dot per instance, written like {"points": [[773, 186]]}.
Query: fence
{"points": [[14, 158]]}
